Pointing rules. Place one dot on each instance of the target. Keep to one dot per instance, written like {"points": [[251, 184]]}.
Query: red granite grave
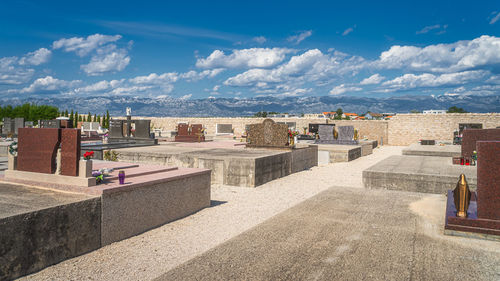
{"points": [[193, 135], [37, 149], [70, 152], [471, 136], [484, 209]]}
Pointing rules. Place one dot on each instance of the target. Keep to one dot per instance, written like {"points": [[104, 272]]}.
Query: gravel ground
{"points": [[234, 210]]}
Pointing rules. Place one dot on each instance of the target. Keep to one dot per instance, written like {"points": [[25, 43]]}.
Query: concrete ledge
{"points": [[366, 148], [132, 211], [418, 174], [341, 153], [39, 228], [14, 175], [433, 150]]}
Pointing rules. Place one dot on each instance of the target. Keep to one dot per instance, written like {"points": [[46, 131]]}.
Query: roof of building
{"points": [[350, 114]]}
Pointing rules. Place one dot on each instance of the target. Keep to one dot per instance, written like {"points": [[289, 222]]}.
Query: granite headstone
{"points": [[37, 149], [224, 128], [268, 134]]}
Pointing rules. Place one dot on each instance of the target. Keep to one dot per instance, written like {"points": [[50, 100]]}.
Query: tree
{"points": [[95, 118], [338, 114], [107, 119], [75, 121], [415, 111], [99, 119], [66, 113], [89, 117], [72, 116], [455, 109]]}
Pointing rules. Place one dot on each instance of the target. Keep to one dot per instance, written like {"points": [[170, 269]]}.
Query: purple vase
{"points": [[121, 177]]}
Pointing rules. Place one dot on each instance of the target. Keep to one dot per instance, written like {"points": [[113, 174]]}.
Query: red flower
{"points": [[87, 155]]}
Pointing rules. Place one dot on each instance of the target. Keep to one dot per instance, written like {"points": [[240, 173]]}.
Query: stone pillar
{"points": [[85, 168], [12, 162], [58, 162]]}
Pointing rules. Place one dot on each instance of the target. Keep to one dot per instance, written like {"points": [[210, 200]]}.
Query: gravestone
{"points": [[313, 128], [115, 128], [70, 152], [8, 126], [268, 134], [37, 149], [345, 136], [471, 136], [29, 124], [18, 123], [66, 123], [483, 215], [325, 132], [224, 128], [142, 129], [346, 133], [189, 133], [428, 142]]}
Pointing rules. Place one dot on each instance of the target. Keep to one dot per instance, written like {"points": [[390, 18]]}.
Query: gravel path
{"points": [[234, 210]]}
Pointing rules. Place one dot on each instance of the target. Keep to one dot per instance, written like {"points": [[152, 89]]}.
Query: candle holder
{"points": [[461, 161], [467, 162], [121, 177]]}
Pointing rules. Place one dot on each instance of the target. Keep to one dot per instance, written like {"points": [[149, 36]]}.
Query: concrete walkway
{"points": [[393, 221]]}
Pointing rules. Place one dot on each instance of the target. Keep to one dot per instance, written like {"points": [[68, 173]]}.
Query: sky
{"points": [[244, 49]]}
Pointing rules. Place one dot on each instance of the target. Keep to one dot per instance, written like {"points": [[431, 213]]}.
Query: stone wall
{"points": [[402, 129], [405, 129]]}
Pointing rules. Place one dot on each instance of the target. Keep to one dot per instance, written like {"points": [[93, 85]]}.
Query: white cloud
{"points": [[374, 79], [192, 75], [12, 74], [107, 59], [83, 46], [439, 28], [459, 56], [338, 90], [153, 78], [49, 84], [495, 18], [245, 58], [296, 39], [37, 57], [411, 81], [260, 39], [186, 97], [347, 31]]}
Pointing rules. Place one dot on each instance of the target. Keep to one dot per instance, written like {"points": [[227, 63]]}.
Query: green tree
{"points": [[455, 109], [107, 119], [95, 118], [75, 121], [72, 116], [66, 113], [99, 119], [415, 111], [338, 115], [89, 117]]}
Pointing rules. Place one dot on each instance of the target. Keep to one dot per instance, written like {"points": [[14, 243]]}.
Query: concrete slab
{"points": [[249, 167], [40, 227], [417, 173], [433, 150], [348, 234], [341, 153]]}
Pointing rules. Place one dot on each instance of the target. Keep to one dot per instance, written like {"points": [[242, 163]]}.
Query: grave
{"points": [[224, 129], [268, 134], [433, 150], [12, 125], [37, 153], [483, 214], [190, 133], [457, 135], [471, 136], [345, 135], [426, 174]]}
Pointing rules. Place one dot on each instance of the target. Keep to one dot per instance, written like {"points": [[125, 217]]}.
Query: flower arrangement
{"points": [[292, 133], [13, 148], [99, 177], [88, 155]]}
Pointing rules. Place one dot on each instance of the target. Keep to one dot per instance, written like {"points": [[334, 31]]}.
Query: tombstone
{"points": [[50, 124], [66, 123], [313, 128], [346, 133], [463, 126], [325, 132], [428, 142], [18, 123], [142, 129], [115, 128], [29, 124], [223, 129], [268, 134], [37, 149], [345, 136], [483, 215], [190, 133], [70, 152], [471, 136], [8, 126]]}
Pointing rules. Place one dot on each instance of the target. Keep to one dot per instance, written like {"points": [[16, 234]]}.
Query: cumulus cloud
{"points": [[374, 79], [301, 36], [245, 58], [411, 81], [459, 56], [49, 84], [153, 78], [107, 60], [260, 39], [12, 74], [37, 57], [495, 18], [195, 75], [341, 89], [83, 46]]}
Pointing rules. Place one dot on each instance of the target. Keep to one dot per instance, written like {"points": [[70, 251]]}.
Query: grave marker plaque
{"points": [[325, 132], [471, 136], [115, 128], [142, 129], [488, 180], [224, 129], [18, 123], [53, 124], [345, 136], [70, 152], [8, 126]]}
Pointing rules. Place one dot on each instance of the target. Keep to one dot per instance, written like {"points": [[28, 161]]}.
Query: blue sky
{"points": [[198, 49]]}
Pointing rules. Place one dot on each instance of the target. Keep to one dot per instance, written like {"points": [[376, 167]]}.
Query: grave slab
{"points": [[433, 150], [417, 173], [341, 153]]}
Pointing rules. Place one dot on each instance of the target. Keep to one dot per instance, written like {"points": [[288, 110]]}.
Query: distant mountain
{"points": [[233, 107]]}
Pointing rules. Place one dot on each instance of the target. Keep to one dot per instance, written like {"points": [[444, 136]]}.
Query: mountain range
{"points": [[234, 107]]}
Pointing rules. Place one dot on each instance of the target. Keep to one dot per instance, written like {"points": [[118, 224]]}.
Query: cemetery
{"points": [[59, 200]]}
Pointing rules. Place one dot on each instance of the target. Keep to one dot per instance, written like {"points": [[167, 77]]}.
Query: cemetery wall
{"points": [[405, 129], [402, 129]]}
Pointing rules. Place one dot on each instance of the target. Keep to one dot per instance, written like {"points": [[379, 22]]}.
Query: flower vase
{"points": [[292, 139], [295, 139], [85, 168], [121, 177]]}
